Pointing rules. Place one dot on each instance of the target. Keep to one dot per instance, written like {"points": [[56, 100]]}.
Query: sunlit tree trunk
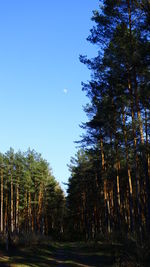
{"points": [[29, 211], [35, 213], [118, 194], [106, 196], [17, 206], [138, 109], [40, 199], [117, 182], [6, 213], [26, 211], [12, 206], [108, 209], [129, 175]]}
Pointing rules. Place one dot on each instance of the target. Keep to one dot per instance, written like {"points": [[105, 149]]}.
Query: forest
{"points": [[111, 172], [108, 194], [31, 199]]}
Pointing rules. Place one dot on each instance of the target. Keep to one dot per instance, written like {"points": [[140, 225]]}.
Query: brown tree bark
{"points": [[106, 196], [29, 211], [40, 199], [129, 174], [6, 213], [12, 206], [17, 206], [2, 201]]}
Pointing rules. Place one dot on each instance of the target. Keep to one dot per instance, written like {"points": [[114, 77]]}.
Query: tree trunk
{"points": [[2, 201], [129, 175], [106, 200], [29, 211], [146, 161], [138, 108], [17, 207], [26, 211], [12, 206], [6, 213], [40, 209]]}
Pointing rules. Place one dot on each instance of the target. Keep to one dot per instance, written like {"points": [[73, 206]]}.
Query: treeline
{"points": [[109, 187], [31, 199]]}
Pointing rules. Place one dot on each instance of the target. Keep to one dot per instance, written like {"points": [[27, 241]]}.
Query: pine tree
{"points": [[118, 113]]}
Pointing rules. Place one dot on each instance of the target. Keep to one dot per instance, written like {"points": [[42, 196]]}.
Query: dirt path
{"points": [[60, 255]]}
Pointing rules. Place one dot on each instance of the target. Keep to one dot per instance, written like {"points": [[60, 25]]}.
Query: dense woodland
{"points": [[106, 209], [31, 199], [109, 187]]}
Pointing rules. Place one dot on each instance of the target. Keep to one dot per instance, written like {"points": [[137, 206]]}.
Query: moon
{"points": [[65, 91]]}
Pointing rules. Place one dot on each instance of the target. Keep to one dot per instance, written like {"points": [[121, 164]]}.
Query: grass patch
{"points": [[76, 254]]}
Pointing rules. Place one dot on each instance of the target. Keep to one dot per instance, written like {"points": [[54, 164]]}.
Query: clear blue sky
{"points": [[40, 76]]}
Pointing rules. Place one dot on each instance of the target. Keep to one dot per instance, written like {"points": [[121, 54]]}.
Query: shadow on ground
{"points": [[60, 255]]}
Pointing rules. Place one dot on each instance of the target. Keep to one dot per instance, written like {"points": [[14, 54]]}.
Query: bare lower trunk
{"points": [[29, 211], [40, 209], [106, 199], [129, 175], [12, 206], [6, 213], [2, 201], [17, 207]]}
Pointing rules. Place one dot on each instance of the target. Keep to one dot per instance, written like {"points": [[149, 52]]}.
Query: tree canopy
{"points": [[110, 185], [31, 198]]}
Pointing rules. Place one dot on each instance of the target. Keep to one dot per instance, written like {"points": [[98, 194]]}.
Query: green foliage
{"points": [[38, 196], [109, 187]]}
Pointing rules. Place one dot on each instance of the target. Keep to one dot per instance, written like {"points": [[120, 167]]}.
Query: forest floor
{"points": [[60, 254]]}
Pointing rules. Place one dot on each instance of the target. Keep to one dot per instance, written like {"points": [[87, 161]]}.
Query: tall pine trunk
{"points": [[2, 201], [12, 206], [40, 200], [6, 213], [129, 175], [17, 206], [29, 212], [106, 195]]}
